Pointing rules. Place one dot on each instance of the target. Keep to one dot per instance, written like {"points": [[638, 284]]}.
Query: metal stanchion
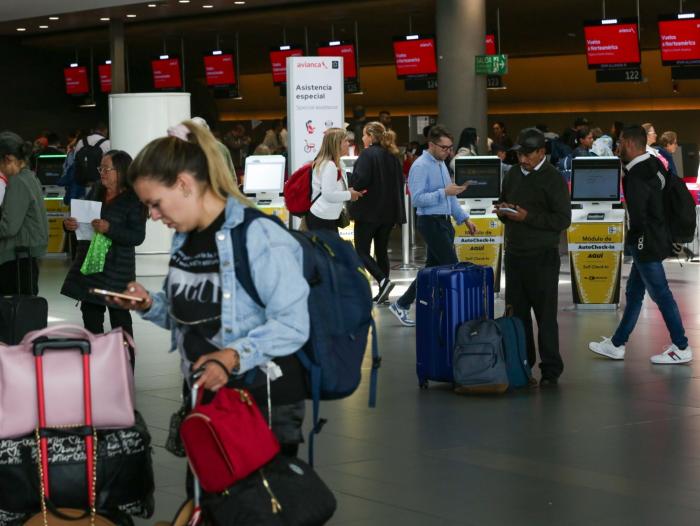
{"points": [[411, 222], [406, 234]]}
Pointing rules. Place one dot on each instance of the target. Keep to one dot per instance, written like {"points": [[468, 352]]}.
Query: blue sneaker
{"points": [[401, 315]]}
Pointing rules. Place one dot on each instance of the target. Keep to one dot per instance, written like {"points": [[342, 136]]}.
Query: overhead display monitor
{"points": [[612, 43], [49, 168], [482, 173], [105, 73], [76, 80], [166, 73], [414, 56], [491, 45], [278, 60], [680, 39], [595, 179], [341, 48], [264, 174], [220, 69]]}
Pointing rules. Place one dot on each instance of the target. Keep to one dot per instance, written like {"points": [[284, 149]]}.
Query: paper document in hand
{"points": [[84, 212]]}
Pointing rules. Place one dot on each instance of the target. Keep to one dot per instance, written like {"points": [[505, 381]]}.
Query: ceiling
{"points": [[528, 27]]}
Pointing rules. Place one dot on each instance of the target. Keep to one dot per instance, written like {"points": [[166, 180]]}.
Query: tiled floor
{"points": [[617, 444]]}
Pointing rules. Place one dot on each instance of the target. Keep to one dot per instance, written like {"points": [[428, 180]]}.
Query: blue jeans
{"points": [[649, 276]]}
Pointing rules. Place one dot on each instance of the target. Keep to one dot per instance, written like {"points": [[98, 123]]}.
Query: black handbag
{"points": [[125, 483], [286, 492], [343, 219]]}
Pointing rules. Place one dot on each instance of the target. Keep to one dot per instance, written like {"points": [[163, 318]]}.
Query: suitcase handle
{"points": [[90, 441], [42, 345]]}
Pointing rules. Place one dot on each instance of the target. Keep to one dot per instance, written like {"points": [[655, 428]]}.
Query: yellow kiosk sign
{"points": [[485, 248], [596, 256]]}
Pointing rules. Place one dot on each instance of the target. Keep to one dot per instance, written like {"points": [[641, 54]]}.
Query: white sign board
{"points": [[315, 102]]}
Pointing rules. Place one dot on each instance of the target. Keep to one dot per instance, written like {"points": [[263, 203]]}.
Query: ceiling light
{"points": [[217, 52], [183, 1], [53, 18], [43, 27], [104, 19], [152, 5], [74, 65], [108, 61], [130, 16], [240, 2], [21, 29], [207, 6]]}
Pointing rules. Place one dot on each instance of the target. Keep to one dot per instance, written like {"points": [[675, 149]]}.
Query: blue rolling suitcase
{"points": [[446, 297]]}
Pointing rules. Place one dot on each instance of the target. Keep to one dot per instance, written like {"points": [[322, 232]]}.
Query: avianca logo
{"points": [[316, 65], [632, 30]]}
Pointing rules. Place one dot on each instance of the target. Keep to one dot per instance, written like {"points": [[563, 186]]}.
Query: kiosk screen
{"points": [[595, 180], [49, 169], [482, 174], [264, 177]]}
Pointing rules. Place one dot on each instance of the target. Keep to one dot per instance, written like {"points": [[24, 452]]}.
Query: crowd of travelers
{"points": [[189, 180]]}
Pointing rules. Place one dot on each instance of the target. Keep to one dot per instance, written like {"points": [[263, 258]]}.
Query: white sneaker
{"points": [[401, 315], [607, 349], [673, 355]]}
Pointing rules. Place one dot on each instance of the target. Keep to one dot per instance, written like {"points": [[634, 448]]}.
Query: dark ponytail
{"points": [[13, 144]]}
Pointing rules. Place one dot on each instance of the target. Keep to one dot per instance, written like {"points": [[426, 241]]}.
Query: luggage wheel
{"points": [[423, 384]]}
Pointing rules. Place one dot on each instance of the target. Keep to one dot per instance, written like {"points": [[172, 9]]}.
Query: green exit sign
{"points": [[491, 64]]}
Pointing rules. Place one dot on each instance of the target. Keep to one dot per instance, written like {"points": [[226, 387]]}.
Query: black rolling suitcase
{"points": [[22, 313]]}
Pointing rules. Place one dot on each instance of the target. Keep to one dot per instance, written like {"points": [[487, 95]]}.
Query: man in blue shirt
{"points": [[434, 196]]}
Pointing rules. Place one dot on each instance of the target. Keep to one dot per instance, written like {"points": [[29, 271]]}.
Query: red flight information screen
{"points": [[415, 57], [220, 70], [345, 50], [76, 80], [166, 73], [612, 45], [278, 60], [105, 72], [680, 40], [491, 45]]}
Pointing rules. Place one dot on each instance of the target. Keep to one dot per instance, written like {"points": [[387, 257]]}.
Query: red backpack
{"points": [[297, 191]]}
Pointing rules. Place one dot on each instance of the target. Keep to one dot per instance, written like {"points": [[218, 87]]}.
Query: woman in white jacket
{"points": [[329, 185]]}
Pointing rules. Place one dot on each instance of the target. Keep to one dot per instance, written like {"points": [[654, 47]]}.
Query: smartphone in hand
{"points": [[103, 292]]}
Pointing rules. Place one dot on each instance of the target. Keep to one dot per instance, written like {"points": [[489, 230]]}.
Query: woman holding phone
{"points": [[215, 325], [329, 185], [123, 221]]}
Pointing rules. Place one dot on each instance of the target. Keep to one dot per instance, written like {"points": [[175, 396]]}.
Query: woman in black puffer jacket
{"points": [[123, 221]]}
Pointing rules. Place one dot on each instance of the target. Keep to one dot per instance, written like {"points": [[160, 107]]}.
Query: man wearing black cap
{"points": [[535, 208]]}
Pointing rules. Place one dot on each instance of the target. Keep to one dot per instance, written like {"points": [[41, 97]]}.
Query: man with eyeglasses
{"points": [[535, 208], [434, 197]]}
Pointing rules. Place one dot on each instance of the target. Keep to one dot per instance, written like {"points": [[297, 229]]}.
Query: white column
{"points": [[135, 119]]}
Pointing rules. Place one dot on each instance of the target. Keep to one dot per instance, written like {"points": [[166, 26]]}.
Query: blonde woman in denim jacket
{"points": [[214, 324]]}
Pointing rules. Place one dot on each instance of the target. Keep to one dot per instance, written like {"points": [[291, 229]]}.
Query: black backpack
{"points": [[679, 208], [87, 162]]}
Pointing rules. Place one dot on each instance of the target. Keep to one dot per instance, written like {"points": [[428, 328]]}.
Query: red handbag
{"points": [[227, 439]]}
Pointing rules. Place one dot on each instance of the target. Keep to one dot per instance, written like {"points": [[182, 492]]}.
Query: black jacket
{"points": [[127, 229], [379, 172], [543, 193], [648, 231]]}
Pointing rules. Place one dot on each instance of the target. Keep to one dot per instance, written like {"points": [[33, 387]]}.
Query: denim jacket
{"points": [[258, 334]]}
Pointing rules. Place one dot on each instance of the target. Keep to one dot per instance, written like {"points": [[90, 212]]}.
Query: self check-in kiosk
{"points": [[263, 181], [49, 169], [483, 175], [347, 165], [596, 234]]}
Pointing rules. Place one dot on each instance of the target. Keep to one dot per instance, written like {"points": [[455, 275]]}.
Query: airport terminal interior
{"points": [[614, 442]]}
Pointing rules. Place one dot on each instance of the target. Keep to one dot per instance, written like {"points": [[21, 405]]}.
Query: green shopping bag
{"points": [[96, 254]]}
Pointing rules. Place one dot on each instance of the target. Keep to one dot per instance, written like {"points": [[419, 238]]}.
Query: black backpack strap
{"points": [[99, 143], [239, 236]]}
